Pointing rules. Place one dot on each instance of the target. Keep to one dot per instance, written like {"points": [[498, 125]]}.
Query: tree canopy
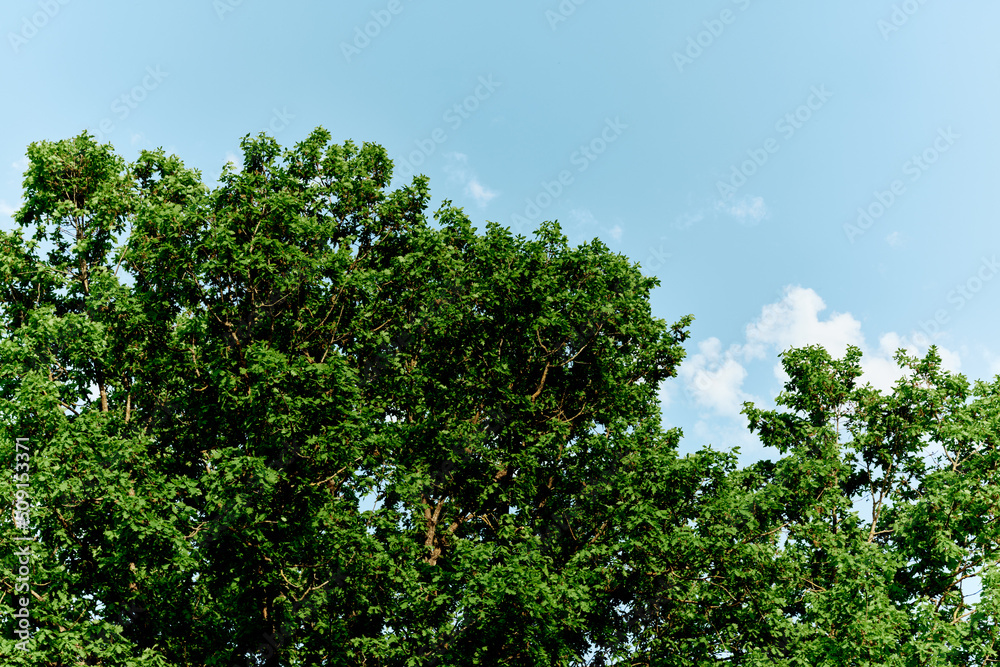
{"points": [[210, 381]]}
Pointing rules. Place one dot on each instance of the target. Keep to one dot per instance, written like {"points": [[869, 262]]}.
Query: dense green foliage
{"points": [[212, 379]]}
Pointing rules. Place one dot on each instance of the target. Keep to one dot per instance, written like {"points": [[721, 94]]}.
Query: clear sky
{"points": [[793, 172]]}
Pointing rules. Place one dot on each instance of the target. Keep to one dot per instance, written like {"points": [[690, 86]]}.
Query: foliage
{"points": [[212, 380]]}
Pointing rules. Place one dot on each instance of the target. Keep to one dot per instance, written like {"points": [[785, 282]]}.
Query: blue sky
{"points": [[726, 146]]}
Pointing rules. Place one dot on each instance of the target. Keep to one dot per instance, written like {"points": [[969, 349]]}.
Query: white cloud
{"points": [[794, 322], [6, 209], [235, 160], [895, 239], [951, 361], [993, 361], [725, 436], [880, 366], [457, 168], [21, 165], [666, 394], [881, 369], [747, 211], [616, 232], [715, 378]]}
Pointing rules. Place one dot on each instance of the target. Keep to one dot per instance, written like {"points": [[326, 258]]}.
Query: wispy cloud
{"points": [[583, 218], [689, 219], [479, 192], [746, 211], [586, 223], [6, 209], [458, 170]]}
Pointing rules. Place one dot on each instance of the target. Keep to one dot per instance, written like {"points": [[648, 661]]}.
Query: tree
{"points": [[210, 380], [858, 546], [292, 340]]}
